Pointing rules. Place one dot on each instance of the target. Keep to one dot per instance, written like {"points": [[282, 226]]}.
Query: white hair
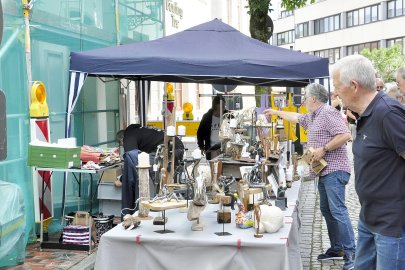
{"points": [[355, 68], [401, 72], [318, 91]]}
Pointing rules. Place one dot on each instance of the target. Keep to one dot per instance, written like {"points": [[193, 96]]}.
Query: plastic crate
{"points": [[53, 157]]}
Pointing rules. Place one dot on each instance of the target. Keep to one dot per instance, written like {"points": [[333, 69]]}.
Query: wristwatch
{"points": [[325, 148]]}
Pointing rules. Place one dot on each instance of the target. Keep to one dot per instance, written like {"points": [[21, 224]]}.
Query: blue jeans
{"points": [[376, 251], [332, 203]]}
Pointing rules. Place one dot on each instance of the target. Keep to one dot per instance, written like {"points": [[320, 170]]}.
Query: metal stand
{"points": [[164, 231], [223, 233]]}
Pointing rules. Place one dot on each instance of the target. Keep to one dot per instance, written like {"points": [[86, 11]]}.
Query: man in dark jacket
{"points": [[141, 139], [208, 131], [147, 139]]}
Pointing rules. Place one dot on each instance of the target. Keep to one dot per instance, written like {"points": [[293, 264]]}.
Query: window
{"points": [[374, 13], [395, 8], [355, 17], [327, 24], [391, 9], [356, 49], [332, 54], [367, 15], [394, 41], [302, 30], [337, 22], [362, 16], [286, 13], [398, 7], [349, 17], [285, 37]]}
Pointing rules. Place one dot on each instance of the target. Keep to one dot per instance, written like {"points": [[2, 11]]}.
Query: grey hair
{"points": [[401, 72], [355, 68], [393, 91], [120, 136], [318, 91]]}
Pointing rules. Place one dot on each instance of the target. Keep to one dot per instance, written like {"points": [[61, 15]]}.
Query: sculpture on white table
{"points": [[130, 222], [198, 204], [271, 219]]}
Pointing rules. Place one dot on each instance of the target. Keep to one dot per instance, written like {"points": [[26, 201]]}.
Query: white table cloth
{"points": [[144, 249]]}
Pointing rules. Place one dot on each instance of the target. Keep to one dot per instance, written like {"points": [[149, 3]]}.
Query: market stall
{"points": [[213, 53]]}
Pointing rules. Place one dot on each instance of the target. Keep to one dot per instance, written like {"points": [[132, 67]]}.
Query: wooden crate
{"points": [[317, 166]]}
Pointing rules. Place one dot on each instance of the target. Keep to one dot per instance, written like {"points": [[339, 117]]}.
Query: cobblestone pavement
{"points": [[314, 235]]}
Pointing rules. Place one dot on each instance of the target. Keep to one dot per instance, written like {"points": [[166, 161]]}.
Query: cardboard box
{"points": [[107, 191], [53, 157], [111, 175], [317, 166]]}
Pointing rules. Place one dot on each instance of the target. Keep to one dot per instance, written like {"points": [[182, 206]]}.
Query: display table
{"points": [[75, 172], [144, 249]]}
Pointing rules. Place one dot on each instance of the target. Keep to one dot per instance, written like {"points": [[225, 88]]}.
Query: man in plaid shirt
{"points": [[328, 134]]}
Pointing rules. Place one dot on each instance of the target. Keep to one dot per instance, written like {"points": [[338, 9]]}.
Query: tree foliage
{"points": [[258, 11], [293, 4], [386, 61]]}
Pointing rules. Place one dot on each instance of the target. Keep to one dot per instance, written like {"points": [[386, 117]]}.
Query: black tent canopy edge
{"points": [[250, 81]]}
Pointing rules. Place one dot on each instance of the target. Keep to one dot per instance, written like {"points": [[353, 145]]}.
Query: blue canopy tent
{"points": [[212, 52]]}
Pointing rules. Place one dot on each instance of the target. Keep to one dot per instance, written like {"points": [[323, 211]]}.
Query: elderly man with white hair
{"points": [[379, 165]]}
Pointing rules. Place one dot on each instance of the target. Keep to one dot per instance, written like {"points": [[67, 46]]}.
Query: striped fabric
{"points": [[76, 82]]}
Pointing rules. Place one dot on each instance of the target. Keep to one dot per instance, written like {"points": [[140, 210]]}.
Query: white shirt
{"points": [[214, 130]]}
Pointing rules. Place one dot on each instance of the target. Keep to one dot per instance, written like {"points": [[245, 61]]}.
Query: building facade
{"points": [[337, 28]]}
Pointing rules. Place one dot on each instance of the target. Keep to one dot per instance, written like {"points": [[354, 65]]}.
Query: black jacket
{"points": [[204, 130], [147, 139]]}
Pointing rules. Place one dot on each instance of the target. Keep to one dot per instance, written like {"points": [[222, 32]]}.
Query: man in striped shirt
{"points": [[328, 134]]}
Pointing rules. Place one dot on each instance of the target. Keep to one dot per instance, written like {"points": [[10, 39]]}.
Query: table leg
{"points": [[41, 212], [91, 193]]}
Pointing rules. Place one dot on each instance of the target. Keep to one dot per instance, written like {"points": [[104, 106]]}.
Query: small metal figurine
{"points": [[166, 196], [257, 213]]}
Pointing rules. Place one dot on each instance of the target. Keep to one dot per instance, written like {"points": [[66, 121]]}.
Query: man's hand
{"points": [[270, 112], [318, 154], [289, 116]]}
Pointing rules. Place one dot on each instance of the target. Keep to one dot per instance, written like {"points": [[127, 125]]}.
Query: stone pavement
{"points": [[314, 235]]}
